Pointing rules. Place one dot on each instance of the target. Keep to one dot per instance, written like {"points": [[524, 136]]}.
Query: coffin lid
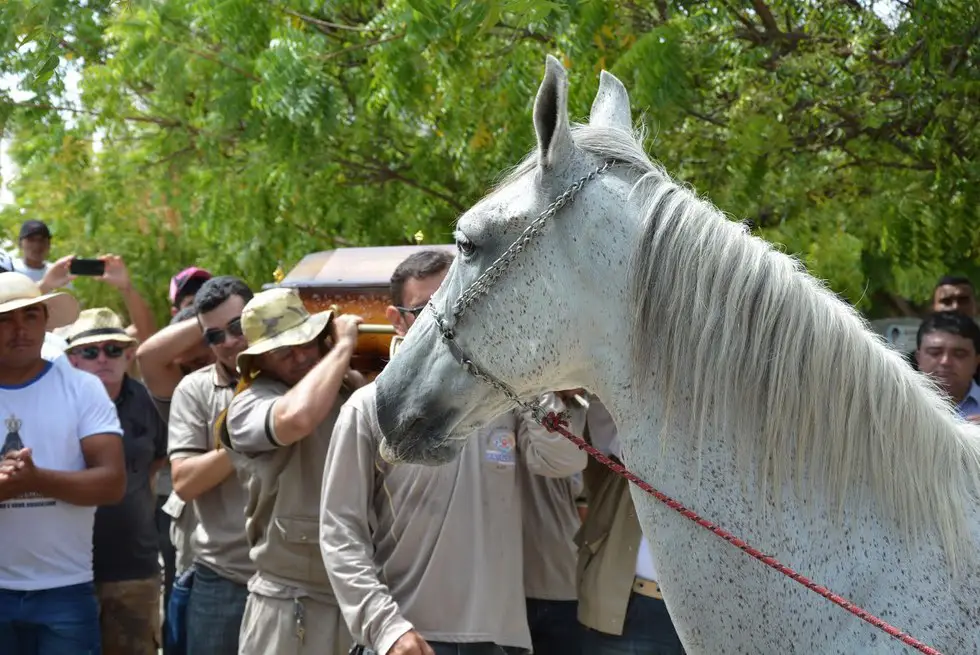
{"points": [[352, 269]]}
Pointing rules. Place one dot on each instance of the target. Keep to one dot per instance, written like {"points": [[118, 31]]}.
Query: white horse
{"points": [[740, 386]]}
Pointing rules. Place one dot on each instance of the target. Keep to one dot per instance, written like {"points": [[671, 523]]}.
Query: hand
{"points": [[344, 327], [57, 274], [116, 272], [18, 475], [410, 643]]}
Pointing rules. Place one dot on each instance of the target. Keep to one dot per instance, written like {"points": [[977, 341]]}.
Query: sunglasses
{"points": [[111, 350], [414, 311], [217, 336]]}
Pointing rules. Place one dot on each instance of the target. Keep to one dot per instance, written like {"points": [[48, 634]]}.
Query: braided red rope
{"points": [[554, 423]]}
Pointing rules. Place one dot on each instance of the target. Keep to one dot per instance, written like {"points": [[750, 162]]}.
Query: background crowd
{"points": [[215, 486]]}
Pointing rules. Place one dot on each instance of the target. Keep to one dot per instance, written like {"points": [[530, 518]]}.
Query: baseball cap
{"points": [[33, 227], [181, 280]]}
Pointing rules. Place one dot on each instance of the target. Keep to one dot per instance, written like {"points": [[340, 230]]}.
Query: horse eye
{"points": [[465, 246]]}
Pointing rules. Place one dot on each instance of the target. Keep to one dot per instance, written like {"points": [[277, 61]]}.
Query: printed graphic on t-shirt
{"points": [[13, 443], [502, 448]]}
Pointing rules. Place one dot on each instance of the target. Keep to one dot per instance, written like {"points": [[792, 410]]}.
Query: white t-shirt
{"points": [[36, 274], [47, 543]]}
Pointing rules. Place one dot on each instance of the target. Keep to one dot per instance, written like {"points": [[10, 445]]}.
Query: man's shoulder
{"points": [[202, 378], [363, 399], [261, 389]]}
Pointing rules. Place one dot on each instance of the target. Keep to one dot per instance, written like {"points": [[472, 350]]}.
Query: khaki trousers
{"points": [[292, 627], [129, 614]]}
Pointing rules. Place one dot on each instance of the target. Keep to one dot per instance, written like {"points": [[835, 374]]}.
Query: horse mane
{"points": [[767, 353]]}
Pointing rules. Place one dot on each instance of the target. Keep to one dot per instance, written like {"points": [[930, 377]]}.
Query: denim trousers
{"points": [[554, 626], [445, 648], [169, 554], [214, 613], [60, 621], [647, 630]]}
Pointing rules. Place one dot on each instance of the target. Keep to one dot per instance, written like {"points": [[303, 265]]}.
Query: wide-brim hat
{"points": [[277, 318], [97, 326], [17, 291]]}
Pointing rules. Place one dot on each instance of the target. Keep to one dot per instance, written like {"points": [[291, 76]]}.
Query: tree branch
{"points": [[360, 46], [382, 173], [327, 25], [162, 122]]}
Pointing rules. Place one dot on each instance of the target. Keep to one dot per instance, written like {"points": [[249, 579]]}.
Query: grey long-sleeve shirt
{"points": [[437, 549]]}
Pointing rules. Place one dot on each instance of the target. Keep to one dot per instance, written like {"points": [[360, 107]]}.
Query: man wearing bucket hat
{"points": [[61, 458], [296, 375], [125, 550]]}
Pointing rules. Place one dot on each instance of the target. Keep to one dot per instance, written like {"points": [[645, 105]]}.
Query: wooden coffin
{"points": [[355, 281]]}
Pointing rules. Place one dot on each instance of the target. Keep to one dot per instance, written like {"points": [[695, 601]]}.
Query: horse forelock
{"points": [[764, 352]]}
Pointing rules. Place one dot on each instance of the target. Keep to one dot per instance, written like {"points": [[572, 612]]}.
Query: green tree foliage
{"points": [[240, 133]]}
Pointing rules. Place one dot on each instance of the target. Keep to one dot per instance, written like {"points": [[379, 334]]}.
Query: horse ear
{"points": [[611, 107], [551, 116]]}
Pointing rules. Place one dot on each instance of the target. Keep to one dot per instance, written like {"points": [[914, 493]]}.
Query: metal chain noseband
{"points": [[489, 277], [557, 422]]}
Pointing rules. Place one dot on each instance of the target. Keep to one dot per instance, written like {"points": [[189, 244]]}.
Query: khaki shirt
{"points": [[282, 517], [437, 548], [608, 544], [551, 520], [181, 514], [218, 540]]}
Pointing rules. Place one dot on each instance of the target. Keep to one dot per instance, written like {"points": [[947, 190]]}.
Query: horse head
{"points": [[518, 313]]}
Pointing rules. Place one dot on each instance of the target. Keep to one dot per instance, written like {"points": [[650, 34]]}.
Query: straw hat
{"points": [[277, 318], [95, 326], [17, 290]]}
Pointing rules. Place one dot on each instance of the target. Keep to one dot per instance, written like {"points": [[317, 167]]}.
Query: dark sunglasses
{"points": [[217, 336], [414, 311], [111, 350]]}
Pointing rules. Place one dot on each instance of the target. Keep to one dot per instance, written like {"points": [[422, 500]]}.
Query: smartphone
{"points": [[93, 267]]}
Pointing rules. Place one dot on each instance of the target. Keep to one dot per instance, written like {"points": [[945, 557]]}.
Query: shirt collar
{"points": [[971, 402], [222, 378]]}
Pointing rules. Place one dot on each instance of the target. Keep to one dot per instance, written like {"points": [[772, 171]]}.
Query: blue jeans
{"points": [[444, 648], [60, 621], [647, 630], [214, 613], [169, 554], [554, 626], [485, 648]]}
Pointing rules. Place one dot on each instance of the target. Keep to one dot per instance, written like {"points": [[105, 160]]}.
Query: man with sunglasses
{"points": [[203, 474], [428, 560], [124, 542]]}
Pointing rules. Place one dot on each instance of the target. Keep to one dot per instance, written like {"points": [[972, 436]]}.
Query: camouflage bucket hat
{"points": [[275, 319]]}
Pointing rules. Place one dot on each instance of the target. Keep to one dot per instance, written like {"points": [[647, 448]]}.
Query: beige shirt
{"points": [[218, 540], [181, 514], [551, 521], [282, 517], [437, 549], [609, 539]]}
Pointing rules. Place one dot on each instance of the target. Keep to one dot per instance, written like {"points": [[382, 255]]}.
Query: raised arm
{"points": [[117, 275], [157, 356], [297, 413]]}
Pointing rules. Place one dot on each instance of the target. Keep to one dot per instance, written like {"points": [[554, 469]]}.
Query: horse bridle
{"points": [[555, 423], [480, 286]]}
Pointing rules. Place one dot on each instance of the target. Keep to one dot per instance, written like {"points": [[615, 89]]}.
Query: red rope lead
{"points": [[554, 423]]}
